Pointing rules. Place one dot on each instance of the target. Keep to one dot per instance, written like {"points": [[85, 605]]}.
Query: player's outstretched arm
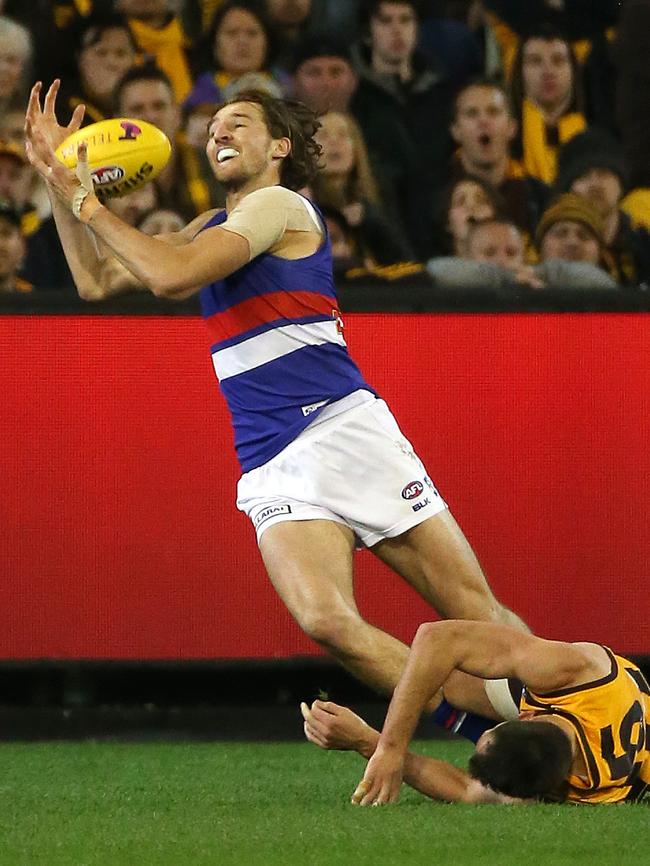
{"points": [[159, 264], [482, 649], [43, 132], [331, 726], [94, 272]]}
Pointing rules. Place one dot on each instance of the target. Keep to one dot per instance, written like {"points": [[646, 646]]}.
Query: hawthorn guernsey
{"points": [[277, 348]]}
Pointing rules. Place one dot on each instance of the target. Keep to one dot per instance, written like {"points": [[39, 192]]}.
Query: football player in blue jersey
{"points": [[325, 465]]}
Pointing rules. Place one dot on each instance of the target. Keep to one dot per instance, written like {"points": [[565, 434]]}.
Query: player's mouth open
{"points": [[485, 139], [226, 153]]}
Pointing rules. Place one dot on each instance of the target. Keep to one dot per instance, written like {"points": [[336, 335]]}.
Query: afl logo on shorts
{"points": [[412, 490]]}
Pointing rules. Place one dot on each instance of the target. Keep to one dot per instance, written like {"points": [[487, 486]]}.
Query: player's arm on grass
{"points": [[482, 649], [331, 726]]}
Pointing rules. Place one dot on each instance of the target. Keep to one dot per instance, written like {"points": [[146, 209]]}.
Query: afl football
{"points": [[123, 154]]}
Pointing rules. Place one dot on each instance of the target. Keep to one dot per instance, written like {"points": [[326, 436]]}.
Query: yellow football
{"points": [[123, 154]]}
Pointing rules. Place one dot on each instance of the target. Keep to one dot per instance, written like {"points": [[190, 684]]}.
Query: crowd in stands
{"points": [[482, 144]]}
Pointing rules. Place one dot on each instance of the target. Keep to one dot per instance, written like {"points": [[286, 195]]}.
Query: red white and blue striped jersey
{"points": [[277, 348]]}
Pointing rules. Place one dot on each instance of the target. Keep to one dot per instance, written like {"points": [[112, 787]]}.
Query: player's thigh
{"points": [[309, 563], [467, 692], [437, 560]]}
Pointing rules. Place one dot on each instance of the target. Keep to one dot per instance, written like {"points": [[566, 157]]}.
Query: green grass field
{"points": [[101, 804]]}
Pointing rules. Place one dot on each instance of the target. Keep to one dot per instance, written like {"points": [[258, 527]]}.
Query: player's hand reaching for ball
{"points": [[382, 780], [41, 125], [332, 726], [42, 135]]}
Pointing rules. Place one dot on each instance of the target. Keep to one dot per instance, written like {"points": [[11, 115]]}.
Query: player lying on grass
{"points": [[582, 733]]}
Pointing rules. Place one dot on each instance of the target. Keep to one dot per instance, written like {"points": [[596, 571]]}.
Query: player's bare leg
{"points": [[466, 692], [437, 560], [310, 565]]}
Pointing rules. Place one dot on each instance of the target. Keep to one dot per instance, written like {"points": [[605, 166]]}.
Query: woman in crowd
{"points": [[346, 184], [235, 54], [468, 199], [106, 50]]}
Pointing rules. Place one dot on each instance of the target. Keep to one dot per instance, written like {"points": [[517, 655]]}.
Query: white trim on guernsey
{"points": [[262, 348], [311, 210]]}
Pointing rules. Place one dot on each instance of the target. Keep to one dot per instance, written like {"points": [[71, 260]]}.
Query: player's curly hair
{"points": [[288, 118], [530, 760]]}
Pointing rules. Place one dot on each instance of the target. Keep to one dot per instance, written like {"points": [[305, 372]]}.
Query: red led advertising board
{"points": [[120, 538]]}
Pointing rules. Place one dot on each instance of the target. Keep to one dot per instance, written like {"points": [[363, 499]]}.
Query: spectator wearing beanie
{"points": [[494, 260], [572, 229], [323, 75], [592, 166]]}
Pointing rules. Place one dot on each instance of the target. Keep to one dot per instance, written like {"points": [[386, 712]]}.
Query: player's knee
{"points": [[331, 629]]}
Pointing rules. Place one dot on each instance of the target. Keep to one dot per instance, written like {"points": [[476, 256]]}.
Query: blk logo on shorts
{"points": [[271, 511], [412, 490]]}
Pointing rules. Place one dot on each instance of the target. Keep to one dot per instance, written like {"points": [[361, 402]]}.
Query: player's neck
{"points": [[578, 766], [236, 193]]}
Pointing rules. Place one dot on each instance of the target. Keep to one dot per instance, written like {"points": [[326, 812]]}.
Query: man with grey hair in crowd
{"points": [[16, 50]]}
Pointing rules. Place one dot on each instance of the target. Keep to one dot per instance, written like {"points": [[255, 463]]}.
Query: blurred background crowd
{"points": [[480, 143]]}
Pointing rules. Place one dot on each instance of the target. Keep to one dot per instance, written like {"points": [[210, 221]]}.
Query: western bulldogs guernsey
{"points": [[277, 348]]}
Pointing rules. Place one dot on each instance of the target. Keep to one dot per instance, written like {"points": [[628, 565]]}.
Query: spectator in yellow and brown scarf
{"points": [[547, 101], [160, 34]]}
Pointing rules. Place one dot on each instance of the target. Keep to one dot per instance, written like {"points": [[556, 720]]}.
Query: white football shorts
{"points": [[356, 468]]}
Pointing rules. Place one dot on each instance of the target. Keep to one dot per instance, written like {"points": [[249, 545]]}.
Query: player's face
{"points": [[547, 72], [602, 187], [325, 83], [240, 43], [570, 240], [469, 201], [335, 138], [393, 32], [483, 126], [240, 146], [103, 64], [152, 101], [497, 243], [12, 247]]}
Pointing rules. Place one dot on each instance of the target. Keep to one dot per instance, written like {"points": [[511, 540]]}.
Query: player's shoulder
{"points": [[273, 196], [596, 658]]}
